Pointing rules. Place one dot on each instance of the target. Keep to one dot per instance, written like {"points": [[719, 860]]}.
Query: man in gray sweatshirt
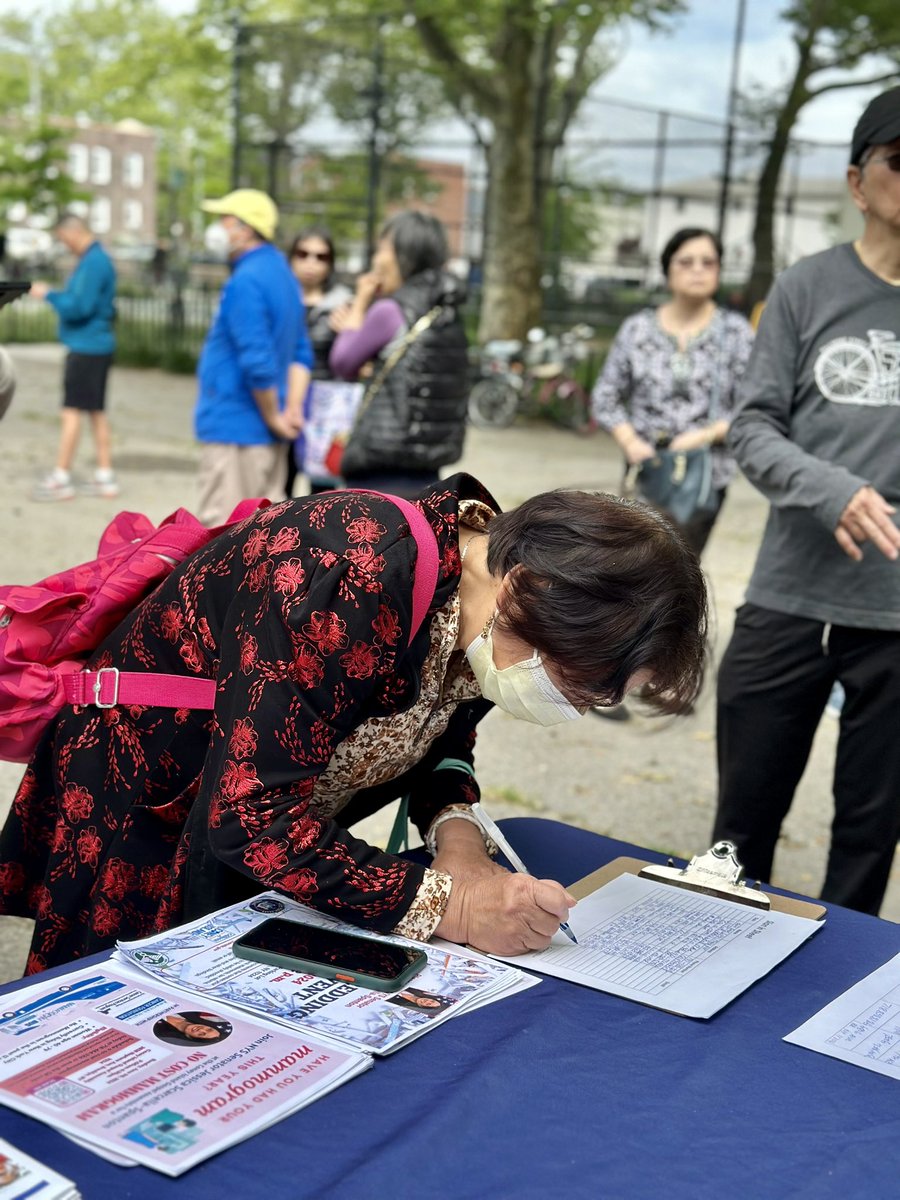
{"points": [[817, 430]]}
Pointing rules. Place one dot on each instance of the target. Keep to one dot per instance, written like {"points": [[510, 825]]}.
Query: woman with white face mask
{"points": [[332, 701]]}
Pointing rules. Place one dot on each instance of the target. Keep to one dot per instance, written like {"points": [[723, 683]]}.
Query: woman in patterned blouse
{"points": [[672, 373], [132, 819]]}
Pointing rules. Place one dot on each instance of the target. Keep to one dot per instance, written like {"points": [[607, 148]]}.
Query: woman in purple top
{"points": [[404, 320]]}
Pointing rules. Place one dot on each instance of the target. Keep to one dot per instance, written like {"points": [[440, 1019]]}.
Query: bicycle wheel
{"points": [[846, 372], [564, 401], [493, 404]]}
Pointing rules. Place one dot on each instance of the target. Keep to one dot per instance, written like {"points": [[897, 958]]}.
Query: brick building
{"points": [[117, 164]]}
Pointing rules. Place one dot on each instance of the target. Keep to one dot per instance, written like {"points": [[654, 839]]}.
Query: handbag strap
{"points": [[423, 323], [399, 837], [109, 686]]}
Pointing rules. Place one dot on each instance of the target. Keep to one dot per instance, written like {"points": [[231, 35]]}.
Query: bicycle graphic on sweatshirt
{"points": [[851, 370]]}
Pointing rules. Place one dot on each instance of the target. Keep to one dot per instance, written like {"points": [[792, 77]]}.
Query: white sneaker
{"points": [[55, 486], [103, 485]]}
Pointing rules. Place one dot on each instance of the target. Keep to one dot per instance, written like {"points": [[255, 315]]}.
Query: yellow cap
{"points": [[254, 208]]}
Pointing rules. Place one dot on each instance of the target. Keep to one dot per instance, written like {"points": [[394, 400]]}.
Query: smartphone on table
{"points": [[311, 950]]}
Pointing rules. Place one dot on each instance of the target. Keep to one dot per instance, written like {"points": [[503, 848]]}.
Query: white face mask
{"points": [[217, 241], [524, 690]]}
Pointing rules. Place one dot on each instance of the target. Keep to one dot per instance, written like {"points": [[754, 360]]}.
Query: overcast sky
{"points": [[690, 68]]}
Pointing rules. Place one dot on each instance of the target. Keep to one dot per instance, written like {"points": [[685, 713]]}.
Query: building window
{"points": [[101, 165], [80, 208], [133, 170], [133, 215], [78, 163], [101, 215]]}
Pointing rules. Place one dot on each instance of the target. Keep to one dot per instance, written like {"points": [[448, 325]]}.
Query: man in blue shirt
{"points": [[255, 364], [86, 309]]}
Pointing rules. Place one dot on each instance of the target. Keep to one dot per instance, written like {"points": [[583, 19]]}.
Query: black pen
{"points": [[493, 831]]}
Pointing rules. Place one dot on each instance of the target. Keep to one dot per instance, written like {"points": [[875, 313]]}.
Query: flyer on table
{"points": [[198, 958], [157, 1077]]}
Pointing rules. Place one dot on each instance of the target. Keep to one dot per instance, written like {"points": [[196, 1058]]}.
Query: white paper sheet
{"points": [[861, 1026], [669, 947]]}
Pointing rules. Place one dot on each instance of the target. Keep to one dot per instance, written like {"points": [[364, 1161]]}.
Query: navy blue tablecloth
{"points": [[566, 1092]]}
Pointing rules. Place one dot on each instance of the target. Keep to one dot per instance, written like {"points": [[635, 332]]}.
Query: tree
{"points": [[518, 70], [111, 59], [33, 170], [328, 107], [830, 36]]}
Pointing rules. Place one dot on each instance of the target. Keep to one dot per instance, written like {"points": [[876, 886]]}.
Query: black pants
{"points": [[407, 484], [773, 685]]}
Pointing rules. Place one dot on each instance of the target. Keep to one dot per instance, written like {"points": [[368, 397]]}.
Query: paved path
{"points": [[649, 781]]}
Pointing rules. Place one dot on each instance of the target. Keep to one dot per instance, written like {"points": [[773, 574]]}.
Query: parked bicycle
{"points": [[536, 378]]}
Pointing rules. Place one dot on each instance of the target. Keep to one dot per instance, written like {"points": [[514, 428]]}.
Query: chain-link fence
{"points": [[342, 123]]}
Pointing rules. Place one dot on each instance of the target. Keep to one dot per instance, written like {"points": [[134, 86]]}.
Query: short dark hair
{"points": [[419, 241], [603, 588], [677, 240]]}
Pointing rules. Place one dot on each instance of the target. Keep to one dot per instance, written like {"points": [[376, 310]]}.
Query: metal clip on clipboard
{"points": [[715, 873]]}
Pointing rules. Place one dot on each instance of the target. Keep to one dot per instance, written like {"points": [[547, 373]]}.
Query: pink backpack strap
{"points": [[109, 686], [427, 561]]}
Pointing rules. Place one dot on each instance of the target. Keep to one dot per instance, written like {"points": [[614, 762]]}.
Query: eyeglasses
{"points": [[892, 161], [316, 254], [686, 264]]}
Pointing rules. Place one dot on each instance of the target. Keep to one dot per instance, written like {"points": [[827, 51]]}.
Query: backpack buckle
{"points": [[98, 687]]}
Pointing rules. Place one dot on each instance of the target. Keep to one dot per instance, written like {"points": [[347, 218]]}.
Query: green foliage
{"points": [[333, 190], [111, 59], [834, 39], [33, 170]]}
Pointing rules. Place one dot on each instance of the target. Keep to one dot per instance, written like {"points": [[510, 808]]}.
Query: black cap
{"points": [[880, 123]]}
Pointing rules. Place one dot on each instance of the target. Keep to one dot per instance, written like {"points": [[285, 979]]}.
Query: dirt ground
{"points": [[648, 781]]}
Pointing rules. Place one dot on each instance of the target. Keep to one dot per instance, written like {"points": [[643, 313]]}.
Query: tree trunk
{"points": [[763, 271], [511, 299]]}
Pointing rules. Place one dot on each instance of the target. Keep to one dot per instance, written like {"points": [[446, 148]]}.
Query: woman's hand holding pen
{"points": [[504, 913], [462, 854]]}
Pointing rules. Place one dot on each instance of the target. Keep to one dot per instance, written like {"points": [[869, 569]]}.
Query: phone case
{"points": [[323, 970]]}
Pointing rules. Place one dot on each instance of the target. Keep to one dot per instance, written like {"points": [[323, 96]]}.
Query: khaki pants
{"points": [[229, 474]]}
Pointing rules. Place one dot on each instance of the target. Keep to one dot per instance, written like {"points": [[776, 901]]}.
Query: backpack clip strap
{"points": [[97, 687], [108, 686]]}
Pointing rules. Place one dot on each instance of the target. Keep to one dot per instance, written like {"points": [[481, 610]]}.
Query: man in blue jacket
{"points": [[254, 368], [86, 309]]}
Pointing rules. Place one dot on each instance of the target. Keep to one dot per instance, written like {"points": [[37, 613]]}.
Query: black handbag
{"points": [[677, 481]]}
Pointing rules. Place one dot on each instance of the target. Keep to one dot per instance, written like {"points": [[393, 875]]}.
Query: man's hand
{"points": [[867, 518], [504, 913], [39, 289], [285, 425]]}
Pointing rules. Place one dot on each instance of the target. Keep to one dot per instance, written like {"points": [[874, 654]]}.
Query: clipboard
{"points": [[715, 873]]}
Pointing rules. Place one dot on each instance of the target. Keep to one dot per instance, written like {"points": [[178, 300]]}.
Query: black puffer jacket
{"points": [[416, 419]]}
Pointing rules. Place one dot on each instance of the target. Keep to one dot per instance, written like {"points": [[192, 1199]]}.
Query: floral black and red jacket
{"points": [[131, 819]]}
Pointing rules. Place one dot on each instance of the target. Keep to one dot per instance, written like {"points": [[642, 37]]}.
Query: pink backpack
{"points": [[49, 629]]}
